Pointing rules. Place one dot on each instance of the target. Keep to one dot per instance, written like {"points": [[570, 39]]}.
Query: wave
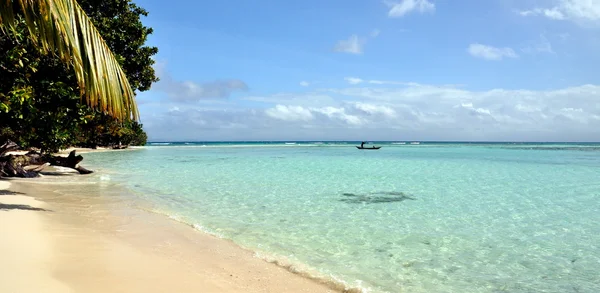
{"points": [[555, 148], [293, 266]]}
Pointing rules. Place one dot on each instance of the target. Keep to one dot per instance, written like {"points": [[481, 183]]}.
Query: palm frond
{"points": [[63, 28]]}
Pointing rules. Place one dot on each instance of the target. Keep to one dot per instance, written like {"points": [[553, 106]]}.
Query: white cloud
{"points": [[290, 113], [583, 12], [213, 89], [304, 83], [380, 82], [490, 53], [553, 13], [376, 110], [354, 45], [469, 107], [309, 99], [353, 80], [400, 111], [306, 114], [399, 9], [191, 91], [527, 108], [546, 112], [340, 114]]}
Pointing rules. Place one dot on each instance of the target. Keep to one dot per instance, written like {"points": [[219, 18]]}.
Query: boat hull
{"points": [[371, 148]]}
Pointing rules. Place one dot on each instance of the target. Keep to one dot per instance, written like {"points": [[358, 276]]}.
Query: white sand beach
{"points": [[61, 244]]}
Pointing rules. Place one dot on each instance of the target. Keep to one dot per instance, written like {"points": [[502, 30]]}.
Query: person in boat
{"points": [[362, 144]]}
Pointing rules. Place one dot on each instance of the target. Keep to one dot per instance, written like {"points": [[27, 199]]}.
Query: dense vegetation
{"points": [[40, 101]]}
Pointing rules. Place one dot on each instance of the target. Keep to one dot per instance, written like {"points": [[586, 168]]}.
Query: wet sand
{"points": [[52, 242]]}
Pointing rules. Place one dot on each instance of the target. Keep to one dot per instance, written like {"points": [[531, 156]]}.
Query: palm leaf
{"points": [[63, 28]]}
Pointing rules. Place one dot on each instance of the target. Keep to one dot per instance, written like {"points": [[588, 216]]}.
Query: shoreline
{"points": [[93, 244]]}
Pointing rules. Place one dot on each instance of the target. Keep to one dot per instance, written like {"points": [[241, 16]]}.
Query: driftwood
{"points": [[8, 146], [36, 168], [12, 166], [20, 165]]}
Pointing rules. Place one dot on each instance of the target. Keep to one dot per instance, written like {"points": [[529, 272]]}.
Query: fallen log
{"points": [[8, 146], [36, 168], [14, 165], [83, 170]]}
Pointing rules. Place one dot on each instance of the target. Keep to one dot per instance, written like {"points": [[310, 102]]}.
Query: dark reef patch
{"points": [[376, 197]]}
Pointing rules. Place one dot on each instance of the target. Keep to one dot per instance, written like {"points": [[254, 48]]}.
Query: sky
{"points": [[393, 70]]}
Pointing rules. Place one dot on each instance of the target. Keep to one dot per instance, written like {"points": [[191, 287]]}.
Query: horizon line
{"points": [[421, 141]]}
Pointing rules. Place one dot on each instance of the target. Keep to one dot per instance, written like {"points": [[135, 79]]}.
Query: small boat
{"points": [[371, 148]]}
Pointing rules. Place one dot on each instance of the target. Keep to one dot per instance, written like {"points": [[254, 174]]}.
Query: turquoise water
{"points": [[433, 217]]}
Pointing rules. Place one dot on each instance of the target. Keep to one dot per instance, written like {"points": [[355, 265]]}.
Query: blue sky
{"points": [[374, 70]]}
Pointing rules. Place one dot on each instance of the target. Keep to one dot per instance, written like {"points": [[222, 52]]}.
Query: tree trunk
{"points": [[13, 165], [8, 146]]}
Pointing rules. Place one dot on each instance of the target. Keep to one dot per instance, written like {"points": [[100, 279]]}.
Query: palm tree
{"points": [[61, 27]]}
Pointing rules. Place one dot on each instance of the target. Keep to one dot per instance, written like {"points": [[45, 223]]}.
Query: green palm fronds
{"points": [[63, 28]]}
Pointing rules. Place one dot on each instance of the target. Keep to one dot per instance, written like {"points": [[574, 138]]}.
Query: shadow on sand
{"points": [[8, 192], [24, 207]]}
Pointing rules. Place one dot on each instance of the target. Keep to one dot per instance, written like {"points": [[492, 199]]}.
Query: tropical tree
{"points": [[62, 27], [39, 95]]}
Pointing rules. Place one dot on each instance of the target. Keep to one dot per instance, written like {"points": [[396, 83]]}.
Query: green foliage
{"points": [[104, 130], [63, 29], [40, 104], [120, 25]]}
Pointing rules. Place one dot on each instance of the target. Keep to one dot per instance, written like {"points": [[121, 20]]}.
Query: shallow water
{"points": [[406, 218]]}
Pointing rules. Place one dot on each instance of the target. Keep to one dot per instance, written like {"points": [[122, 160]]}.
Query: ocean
{"points": [[427, 217]]}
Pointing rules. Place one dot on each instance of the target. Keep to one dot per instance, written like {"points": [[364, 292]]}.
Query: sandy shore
{"points": [[26, 248], [57, 243]]}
